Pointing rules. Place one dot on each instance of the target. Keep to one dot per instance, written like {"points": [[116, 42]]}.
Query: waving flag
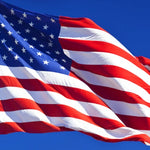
{"points": [[64, 74]]}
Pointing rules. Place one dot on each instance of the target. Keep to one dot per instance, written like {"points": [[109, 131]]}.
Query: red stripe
{"points": [[118, 95], [57, 110], [74, 93], [69, 92], [66, 111], [144, 60], [98, 46], [18, 104], [43, 127], [113, 71], [30, 127], [78, 22], [139, 137], [139, 123]]}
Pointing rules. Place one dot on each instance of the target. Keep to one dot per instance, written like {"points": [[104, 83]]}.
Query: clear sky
{"points": [[129, 22]]}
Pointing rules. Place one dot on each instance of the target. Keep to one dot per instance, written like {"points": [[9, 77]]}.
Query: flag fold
{"points": [[69, 74]]}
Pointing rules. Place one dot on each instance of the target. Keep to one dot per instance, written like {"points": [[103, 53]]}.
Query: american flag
{"points": [[64, 74]]}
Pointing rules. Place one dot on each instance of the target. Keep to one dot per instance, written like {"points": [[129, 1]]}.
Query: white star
{"points": [[45, 27], [27, 31], [48, 52], [52, 20], [51, 36], [12, 24], [38, 18], [31, 24], [41, 45], [24, 15], [50, 44], [9, 32], [18, 32], [25, 39], [55, 59], [2, 25], [16, 57], [12, 12], [31, 60], [4, 16], [42, 34], [23, 50], [39, 53], [45, 62], [31, 46], [57, 52], [62, 67], [10, 49], [34, 38], [3, 41], [4, 57], [16, 42], [64, 60], [20, 21]]}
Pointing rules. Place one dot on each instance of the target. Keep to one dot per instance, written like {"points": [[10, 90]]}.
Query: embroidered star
{"points": [[48, 52], [16, 57], [3, 41], [18, 32], [12, 24], [34, 38], [10, 49], [9, 32], [52, 20], [45, 62], [50, 44], [27, 31], [16, 42], [31, 60], [24, 15], [2, 25], [20, 21], [55, 59], [4, 57], [51, 36], [31, 46], [31, 24], [57, 52], [12, 12], [23, 50], [41, 45], [39, 53], [62, 67], [25, 39], [42, 34], [38, 18], [64, 60], [4, 16], [45, 27]]}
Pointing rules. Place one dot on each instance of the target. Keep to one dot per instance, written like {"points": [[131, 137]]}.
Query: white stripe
{"points": [[86, 108], [46, 77], [81, 125], [89, 34], [68, 122], [19, 116], [124, 108], [102, 58], [147, 67], [45, 97], [112, 82]]}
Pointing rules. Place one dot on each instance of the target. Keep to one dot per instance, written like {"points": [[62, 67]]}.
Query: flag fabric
{"points": [[69, 74]]}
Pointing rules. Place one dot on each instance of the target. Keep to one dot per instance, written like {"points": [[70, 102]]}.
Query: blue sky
{"points": [[129, 22]]}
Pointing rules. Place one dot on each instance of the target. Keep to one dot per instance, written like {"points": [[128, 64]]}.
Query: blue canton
{"points": [[31, 40]]}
